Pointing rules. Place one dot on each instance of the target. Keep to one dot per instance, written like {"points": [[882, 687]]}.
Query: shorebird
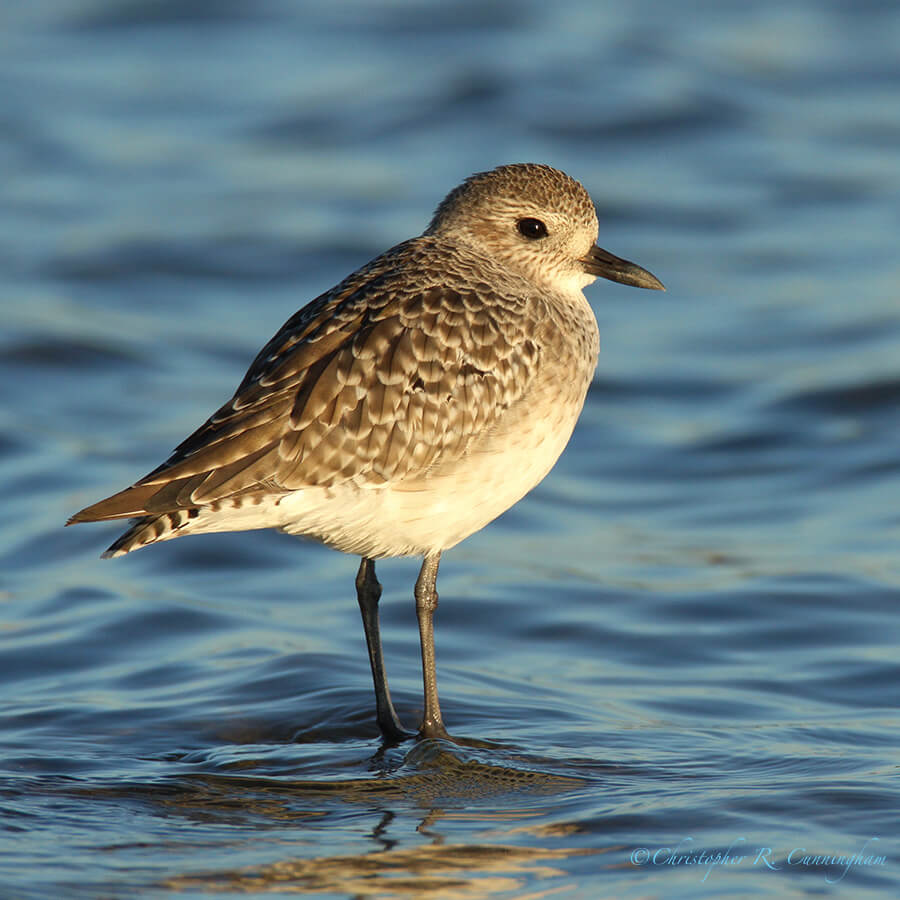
{"points": [[401, 411]]}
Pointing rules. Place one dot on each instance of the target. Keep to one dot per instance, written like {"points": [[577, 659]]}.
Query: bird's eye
{"points": [[533, 229]]}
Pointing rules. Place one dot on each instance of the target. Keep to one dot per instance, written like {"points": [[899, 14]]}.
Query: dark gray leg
{"points": [[368, 593], [426, 604]]}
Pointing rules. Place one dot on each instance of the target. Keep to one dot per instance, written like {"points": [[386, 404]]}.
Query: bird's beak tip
{"points": [[603, 264]]}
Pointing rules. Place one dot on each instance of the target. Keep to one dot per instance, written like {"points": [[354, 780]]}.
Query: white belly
{"points": [[419, 516]]}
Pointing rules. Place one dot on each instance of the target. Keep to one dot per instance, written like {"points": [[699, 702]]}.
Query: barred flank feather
{"points": [[150, 530]]}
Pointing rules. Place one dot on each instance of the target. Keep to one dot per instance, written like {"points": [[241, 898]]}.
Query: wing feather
{"points": [[354, 389]]}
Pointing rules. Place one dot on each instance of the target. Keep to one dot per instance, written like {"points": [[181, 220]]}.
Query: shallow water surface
{"points": [[673, 668]]}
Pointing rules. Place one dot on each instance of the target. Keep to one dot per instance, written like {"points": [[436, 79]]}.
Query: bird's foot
{"points": [[435, 730]]}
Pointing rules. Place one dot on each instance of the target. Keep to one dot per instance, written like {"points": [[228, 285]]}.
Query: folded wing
{"points": [[351, 390]]}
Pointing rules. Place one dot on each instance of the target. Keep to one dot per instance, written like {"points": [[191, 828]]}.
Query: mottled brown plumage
{"points": [[409, 405]]}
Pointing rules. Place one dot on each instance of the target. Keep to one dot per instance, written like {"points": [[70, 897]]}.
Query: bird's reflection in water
{"points": [[435, 785]]}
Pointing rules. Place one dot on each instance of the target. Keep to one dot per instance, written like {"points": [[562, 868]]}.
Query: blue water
{"points": [[682, 644]]}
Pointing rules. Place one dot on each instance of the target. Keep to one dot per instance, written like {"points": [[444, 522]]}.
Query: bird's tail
{"points": [[150, 530]]}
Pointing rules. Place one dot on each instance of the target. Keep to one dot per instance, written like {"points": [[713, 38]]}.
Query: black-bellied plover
{"points": [[410, 405]]}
